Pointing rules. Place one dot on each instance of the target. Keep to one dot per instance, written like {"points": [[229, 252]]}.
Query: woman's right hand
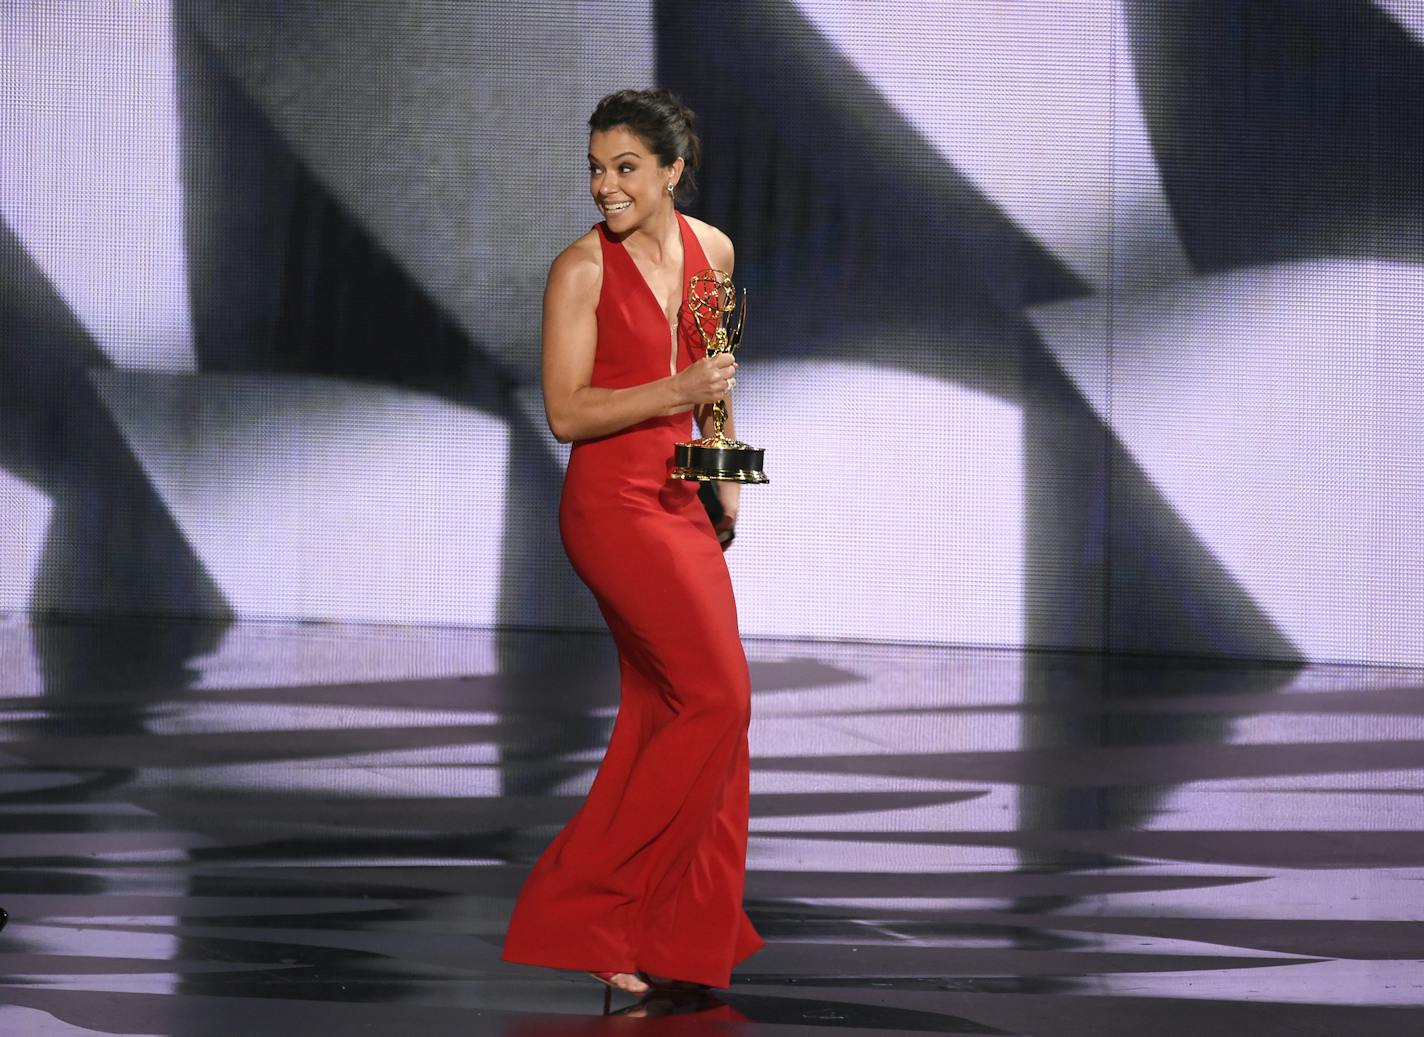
{"points": [[707, 380]]}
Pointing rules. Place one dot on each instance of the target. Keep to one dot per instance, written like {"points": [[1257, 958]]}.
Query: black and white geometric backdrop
{"points": [[1087, 324]]}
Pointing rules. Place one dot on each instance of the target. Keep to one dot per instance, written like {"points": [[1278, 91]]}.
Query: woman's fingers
{"points": [[721, 376], [709, 379]]}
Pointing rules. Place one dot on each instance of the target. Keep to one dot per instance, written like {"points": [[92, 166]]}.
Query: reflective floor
{"points": [[280, 830]]}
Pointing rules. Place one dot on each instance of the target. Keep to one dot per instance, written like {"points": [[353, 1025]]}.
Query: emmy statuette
{"points": [[712, 297]]}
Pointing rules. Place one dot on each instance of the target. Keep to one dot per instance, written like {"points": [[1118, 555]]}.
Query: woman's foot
{"points": [[668, 983], [629, 982]]}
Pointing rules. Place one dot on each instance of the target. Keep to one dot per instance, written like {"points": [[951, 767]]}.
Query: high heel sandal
{"points": [[606, 978], [666, 983]]}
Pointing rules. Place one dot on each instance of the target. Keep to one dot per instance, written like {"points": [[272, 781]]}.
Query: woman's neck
{"points": [[656, 235]]}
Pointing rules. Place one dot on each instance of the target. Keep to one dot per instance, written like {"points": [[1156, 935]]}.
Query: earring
{"points": [[669, 187]]}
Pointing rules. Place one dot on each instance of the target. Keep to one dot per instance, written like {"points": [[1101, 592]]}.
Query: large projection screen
{"points": [[1087, 324]]}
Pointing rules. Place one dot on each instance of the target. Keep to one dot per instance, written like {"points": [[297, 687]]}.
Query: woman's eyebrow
{"points": [[616, 157]]}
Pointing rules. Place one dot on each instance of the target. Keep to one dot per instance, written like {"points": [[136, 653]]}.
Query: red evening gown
{"points": [[648, 875]]}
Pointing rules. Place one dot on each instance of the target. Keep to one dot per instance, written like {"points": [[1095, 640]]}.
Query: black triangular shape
{"points": [[1284, 129], [112, 546], [806, 161], [283, 277], [1168, 593]]}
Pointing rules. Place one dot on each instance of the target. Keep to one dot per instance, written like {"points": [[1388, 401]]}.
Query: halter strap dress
{"points": [[648, 875]]}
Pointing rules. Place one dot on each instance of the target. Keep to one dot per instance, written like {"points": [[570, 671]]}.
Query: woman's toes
{"points": [[631, 983]]}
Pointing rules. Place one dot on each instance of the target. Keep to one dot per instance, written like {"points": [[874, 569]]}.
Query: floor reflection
{"points": [[256, 828]]}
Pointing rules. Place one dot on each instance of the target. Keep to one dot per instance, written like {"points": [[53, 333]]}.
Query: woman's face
{"points": [[625, 179]]}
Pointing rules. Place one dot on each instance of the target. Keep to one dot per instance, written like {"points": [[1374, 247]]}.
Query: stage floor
{"points": [[289, 829]]}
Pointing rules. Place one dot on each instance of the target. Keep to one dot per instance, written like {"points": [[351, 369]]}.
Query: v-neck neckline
{"points": [[671, 322]]}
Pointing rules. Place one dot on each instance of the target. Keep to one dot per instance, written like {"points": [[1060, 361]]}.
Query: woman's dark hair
{"points": [[662, 122]]}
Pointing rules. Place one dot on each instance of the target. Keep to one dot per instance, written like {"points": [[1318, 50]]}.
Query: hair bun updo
{"points": [[662, 122]]}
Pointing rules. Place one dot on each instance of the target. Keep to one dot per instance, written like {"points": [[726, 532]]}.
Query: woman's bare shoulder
{"points": [[579, 267], [715, 243]]}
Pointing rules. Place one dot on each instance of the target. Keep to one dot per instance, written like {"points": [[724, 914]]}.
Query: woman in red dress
{"points": [[644, 886]]}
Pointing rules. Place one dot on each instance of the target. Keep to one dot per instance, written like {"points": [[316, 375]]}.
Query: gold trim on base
{"points": [[740, 475]]}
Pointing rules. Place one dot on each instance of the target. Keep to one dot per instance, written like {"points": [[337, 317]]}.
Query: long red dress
{"points": [[648, 875]]}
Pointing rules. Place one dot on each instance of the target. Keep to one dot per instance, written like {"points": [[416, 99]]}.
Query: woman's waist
{"points": [[651, 435], [639, 459]]}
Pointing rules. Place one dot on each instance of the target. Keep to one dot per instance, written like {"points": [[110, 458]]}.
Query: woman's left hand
{"points": [[726, 532], [730, 494]]}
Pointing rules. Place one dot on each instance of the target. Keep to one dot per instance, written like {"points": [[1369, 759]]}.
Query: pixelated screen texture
{"points": [[1055, 340], [89, 170]]}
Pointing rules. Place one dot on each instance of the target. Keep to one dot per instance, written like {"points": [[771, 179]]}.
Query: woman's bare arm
{"points": [[574, 408]]}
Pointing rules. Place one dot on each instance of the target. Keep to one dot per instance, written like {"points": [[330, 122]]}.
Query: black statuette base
{"points": [[723, 464]]}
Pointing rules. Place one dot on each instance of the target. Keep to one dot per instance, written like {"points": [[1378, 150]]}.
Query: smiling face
{"points": [[626, 181]]}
